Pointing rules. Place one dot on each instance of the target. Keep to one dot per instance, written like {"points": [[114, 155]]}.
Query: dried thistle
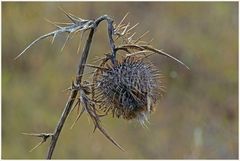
{"points": [[126, 87]]}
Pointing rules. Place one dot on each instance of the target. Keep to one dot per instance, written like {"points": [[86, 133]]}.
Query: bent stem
{"points": [[75, 91]]}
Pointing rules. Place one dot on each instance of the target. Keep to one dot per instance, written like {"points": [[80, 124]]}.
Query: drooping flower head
{"points": [[129, 88]]}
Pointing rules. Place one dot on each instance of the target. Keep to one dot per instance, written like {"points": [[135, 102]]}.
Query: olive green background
{"points": [[197, 118]]}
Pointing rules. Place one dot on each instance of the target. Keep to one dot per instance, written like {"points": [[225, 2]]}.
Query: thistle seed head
{"points": [[129, 88]]}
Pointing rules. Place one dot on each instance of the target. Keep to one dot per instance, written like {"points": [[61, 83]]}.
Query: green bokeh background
{"points": [[197, 118]]}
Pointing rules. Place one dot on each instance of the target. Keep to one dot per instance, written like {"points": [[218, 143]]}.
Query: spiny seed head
{"points": [[129, 88]]}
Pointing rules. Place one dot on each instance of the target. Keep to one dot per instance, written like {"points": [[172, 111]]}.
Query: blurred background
{"points": [[197, 118]]}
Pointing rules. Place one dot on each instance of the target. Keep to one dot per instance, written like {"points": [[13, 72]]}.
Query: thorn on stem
{"points": [[44, 137], [122, 21]]}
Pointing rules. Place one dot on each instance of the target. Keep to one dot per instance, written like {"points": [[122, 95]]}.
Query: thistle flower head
{"points": [[129, 88]]}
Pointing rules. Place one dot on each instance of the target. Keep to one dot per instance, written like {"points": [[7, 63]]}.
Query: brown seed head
{"points": [[129, 88]]}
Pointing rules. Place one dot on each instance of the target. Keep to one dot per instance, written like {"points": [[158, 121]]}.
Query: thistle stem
{"points": [[80, 71], [72, 96]]}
